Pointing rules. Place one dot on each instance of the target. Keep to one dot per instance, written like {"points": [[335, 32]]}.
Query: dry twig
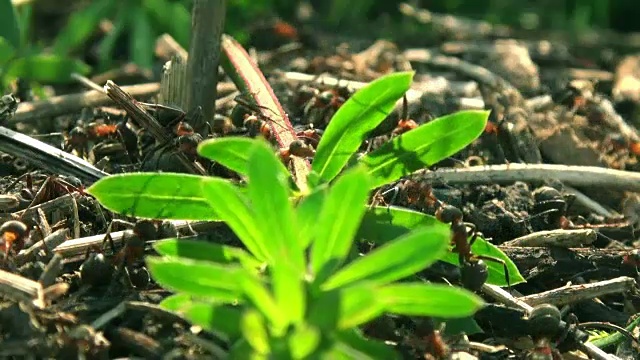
{"points": [[573, 175], [576, 293]]}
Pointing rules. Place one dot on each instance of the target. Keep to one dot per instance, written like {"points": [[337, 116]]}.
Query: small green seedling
{"points": [[296, 290]]}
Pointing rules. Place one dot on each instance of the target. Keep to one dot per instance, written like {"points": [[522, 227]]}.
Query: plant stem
{"points": [[207, 23]]}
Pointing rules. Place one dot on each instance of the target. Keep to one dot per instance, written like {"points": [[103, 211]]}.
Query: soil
{"points": [[554, 99]]}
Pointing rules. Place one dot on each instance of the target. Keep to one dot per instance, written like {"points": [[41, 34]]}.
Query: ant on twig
{"points": [[474, 271]]}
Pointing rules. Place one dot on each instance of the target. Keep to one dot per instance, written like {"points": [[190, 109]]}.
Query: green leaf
{"points": [[173, 16], [7, 51], [382, 224], [348, 128], [231, 152], [419, 299], [199, 278], [81, 25], [120, 23], [338, 222], [257, 293], [304, 341], [424, 146], [395, 260], [24, 17], [233, 208], [255, 332], [274, 214], [211, 317], [307, 213], [154, 195], [207, 251], [465, 325], [345, 308], [496, 270], [9, 28], [351, 344], [142, 39], [46, 68], [176, 302]]}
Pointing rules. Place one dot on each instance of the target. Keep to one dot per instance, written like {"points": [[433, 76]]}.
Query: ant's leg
{"points": [[473, 230], [107, 236], [395, 190], [499, 261]]}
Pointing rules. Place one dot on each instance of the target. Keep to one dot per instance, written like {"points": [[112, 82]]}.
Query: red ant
{"points": [[296, 148], [95, 267], [620, 142], [319, 106], [14, 234], [474, 271], [404, 124]]}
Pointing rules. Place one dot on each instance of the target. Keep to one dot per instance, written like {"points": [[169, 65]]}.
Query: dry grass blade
{"points": [[65, 104], [252, 83], [47, 157]]}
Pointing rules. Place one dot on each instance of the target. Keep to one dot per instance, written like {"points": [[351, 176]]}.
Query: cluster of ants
{"points": [[136, 143]]}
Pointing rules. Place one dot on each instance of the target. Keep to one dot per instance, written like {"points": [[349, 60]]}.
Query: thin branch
{"points": [[572, 175]]}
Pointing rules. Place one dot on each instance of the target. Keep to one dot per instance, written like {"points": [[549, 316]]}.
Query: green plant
{"points": [[290, 306], [143, 194], [21, 60], [141, 20]]}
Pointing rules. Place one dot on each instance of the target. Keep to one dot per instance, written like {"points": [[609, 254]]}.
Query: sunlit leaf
{"points": [[199, 278], [46, 68], [176, 302], [395, 260], [254, 331], [208, 251], [345, 308], [154, 195], [348, 128], [231, 152], [304, 341], [420, 299], [424, 146], [261, 299], [338, 222], [233, 208], [307, 212], [268, 191]]}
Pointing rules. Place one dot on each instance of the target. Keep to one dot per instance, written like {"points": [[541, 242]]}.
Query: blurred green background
{"points": [[76, 30]]}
